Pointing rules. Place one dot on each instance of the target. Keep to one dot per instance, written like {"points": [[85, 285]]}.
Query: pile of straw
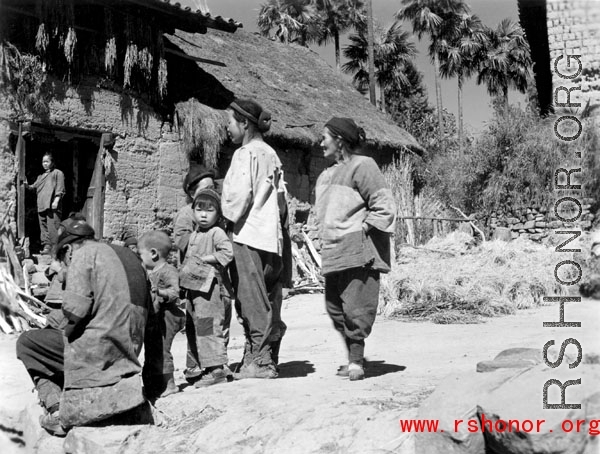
{"points": [[448, 283]]}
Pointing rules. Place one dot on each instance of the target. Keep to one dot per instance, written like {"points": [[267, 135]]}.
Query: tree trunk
{"points": [[336, 43], [370, 52], [505, 97], [460, 115], [382, 99], [438, 95]]}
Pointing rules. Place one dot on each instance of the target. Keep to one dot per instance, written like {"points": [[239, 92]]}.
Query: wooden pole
{"points": [[370, 52], [21, 184]]}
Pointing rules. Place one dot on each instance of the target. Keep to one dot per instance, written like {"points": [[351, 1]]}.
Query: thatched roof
{"points": [[300, 90]]}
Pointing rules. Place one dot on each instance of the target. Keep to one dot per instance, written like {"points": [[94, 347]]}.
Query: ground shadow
{"points": [[293, 369], [379, 368]]}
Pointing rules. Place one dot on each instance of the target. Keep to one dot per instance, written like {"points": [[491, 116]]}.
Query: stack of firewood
{"points": [[307, 261], [19, 310]]}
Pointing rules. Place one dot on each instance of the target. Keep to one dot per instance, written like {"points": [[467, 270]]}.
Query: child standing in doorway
{"points": [[50, 189], [203, 276], [166, 319]]}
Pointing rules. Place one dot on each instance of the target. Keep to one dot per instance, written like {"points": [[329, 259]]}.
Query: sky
{"points": [[477, 103]]}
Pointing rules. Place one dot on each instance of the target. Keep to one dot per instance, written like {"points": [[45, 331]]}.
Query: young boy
{"points": [[166, 318], [202, 275]]}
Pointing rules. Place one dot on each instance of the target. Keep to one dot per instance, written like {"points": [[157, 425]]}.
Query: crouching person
{"points": [[85, 365], [166, 318]]}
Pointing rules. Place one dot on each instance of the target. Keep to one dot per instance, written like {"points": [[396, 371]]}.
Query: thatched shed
{"points": [[300, 90]]}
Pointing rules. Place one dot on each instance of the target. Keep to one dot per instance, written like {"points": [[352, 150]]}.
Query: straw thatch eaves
{"points": [[300, 90], [188, 16]]}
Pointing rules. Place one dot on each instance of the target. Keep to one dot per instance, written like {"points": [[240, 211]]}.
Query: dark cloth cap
{"points": [[210, 195], [346, 128], [196, 173], [73, 231], [130, 241]]}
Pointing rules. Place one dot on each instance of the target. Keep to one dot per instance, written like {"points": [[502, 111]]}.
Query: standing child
{"points": [[50, 189], [202, 275], [166, 319]]}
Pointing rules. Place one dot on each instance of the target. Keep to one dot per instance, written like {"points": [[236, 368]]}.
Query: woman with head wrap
{"points": [[356, 213], [254, 202]]}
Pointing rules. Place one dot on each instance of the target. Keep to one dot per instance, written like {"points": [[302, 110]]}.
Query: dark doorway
{"points": [[75, 157]]}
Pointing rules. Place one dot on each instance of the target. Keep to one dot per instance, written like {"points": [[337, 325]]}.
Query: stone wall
{"points": [[574, 26], [537, 222]]}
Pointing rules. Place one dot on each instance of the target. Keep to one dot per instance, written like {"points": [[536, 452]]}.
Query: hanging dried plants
{"points": [[131, 55], [202, 129], [110, 55], [23, 78], [145, 62], [162, 78], [41, 39], [110, 49], [69, 44]]}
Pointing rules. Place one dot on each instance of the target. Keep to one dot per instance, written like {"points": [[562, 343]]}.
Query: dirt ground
{"points": [[308, 408]]}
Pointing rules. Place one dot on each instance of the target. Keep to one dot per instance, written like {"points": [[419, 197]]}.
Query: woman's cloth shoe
{"points": [[356, 372], [255, 371], [192, 375], [51, 423], [343, 371], [213, 377]]}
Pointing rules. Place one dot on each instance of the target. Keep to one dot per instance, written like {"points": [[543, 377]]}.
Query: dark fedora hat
{"points": [[73, 231], [196, 173]]}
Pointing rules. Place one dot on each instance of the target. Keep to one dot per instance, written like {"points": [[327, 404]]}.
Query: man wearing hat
{"points": [[85, 366]]}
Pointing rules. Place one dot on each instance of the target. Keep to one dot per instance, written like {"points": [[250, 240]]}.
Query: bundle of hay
{"points": [[495, 278]]}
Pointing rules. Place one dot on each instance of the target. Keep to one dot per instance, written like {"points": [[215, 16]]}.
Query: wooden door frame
{"points": [[95, 215]]}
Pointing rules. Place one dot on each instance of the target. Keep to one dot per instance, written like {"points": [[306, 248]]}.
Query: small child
{"points": [[203, 275], [167, 319]]}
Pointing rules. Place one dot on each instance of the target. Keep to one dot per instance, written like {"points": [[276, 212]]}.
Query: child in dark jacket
{"points": [[203, 275], [166, 319]]}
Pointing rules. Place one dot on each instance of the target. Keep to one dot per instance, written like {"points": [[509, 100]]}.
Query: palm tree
{"points": [[507, 61], [293, 20], [337, 16], [460, 56], [393, 54], [433, 18]]}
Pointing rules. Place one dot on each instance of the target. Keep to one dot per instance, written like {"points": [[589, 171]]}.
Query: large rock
{"points": [[80, 407], [456, 398], [513, 358], [501, 233], [108, 440], [512, 391], [520, 400]]}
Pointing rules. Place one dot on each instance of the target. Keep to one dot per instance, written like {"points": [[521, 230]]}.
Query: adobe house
{"points": [[554, 27], [126, 95]]}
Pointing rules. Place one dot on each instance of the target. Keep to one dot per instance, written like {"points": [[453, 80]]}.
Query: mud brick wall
{"points": [[8, 174], [574, 26], [143, 189], [536, 223]]}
